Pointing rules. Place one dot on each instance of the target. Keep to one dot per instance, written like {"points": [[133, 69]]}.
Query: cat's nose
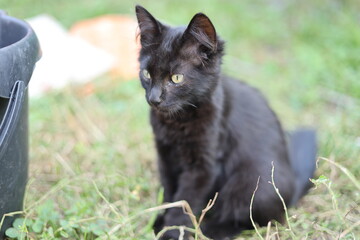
{"points": [[155, 96]]}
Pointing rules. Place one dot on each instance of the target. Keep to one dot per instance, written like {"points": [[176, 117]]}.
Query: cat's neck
{"points": [[184, 115]]}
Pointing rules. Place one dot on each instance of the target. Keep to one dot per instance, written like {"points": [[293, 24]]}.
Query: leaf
{"points": [[64, 234], [19, 223], [51, 231], [37, 226], [47, 212], [64, 223], [12, 233], [97, 229], [321, 180]]}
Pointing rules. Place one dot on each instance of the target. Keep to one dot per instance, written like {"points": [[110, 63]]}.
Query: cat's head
{"points": [[179, 66]]}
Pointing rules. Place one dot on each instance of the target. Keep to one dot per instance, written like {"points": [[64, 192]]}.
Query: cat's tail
{"points": [[302, 148]]}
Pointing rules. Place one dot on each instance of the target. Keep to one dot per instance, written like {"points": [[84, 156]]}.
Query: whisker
{"points": [[190, 104]]}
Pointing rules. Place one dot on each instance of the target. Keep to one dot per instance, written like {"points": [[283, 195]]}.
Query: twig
{"points": [[251, 206], [187, 210], [268, 231], [64, 164], [348, 230], [182, 233], [9, 215], [112, 207], [57, 187], [282, 200], [183, 204], [277, 231], [207, 208], [344, 170], [168, 228], [203, 212]]}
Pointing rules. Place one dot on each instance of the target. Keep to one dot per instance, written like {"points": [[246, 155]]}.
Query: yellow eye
{"points": [[146, 74], [177, 78]]}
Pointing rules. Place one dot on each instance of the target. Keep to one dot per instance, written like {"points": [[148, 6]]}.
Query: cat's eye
{"points": [[146, 74], [177, 78]]}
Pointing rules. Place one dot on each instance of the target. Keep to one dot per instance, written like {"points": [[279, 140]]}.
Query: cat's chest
{"points": [[177, 133], [193, 127]]}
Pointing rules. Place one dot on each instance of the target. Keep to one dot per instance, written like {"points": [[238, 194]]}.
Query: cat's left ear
{"points": [[201, 28], [150, 28]]}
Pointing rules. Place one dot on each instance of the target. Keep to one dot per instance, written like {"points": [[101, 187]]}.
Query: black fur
{"points": [[213, 133]]}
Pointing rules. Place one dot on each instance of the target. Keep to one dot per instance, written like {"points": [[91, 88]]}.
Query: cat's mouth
{"points": [[167, 109], [163, 109]]}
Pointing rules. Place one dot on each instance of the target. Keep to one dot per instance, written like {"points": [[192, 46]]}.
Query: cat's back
{"points": [[252, 123]]}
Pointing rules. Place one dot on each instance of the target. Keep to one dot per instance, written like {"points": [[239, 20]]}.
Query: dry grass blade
{"points": [[268, 229], [207, 208], [65, 164], [344, 170], [187, 210], [53, 190], [348, 230], [182, 233], [168, 228], [183, 204], [85, 119], [9, 215], [282, 201], [111, 206], [251, 206]]}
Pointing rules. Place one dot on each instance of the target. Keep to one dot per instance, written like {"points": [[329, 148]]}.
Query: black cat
{"points": [[214, 133]]}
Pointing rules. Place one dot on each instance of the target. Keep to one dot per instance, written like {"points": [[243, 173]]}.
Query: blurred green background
{"points": [[93, 168]]}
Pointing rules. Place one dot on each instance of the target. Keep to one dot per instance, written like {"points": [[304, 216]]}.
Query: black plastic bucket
{"points": [[19, 51]]}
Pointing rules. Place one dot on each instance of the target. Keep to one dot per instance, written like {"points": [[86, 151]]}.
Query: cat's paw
{"points": [[175, 234], [171, 235]]}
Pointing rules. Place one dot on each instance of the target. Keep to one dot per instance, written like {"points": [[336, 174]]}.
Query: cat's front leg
{"points": [[194, 185]]}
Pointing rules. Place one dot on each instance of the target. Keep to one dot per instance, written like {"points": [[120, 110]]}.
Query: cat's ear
{"points": [[201, 28], [150, 28]]}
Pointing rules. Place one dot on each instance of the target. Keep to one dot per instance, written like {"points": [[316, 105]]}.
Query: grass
{"points": [[93, 170]]}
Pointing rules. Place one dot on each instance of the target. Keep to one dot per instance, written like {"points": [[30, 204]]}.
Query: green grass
{"points": [[93, 168]]}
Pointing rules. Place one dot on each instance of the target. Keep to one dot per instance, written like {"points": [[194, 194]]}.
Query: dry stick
{"points": [[348, 230], [204, 211], [183, 204], [350, 176], [57, 187], [86, 119], [277, 231], [182, 233], [149, 210], [9, 215], [273, 235], [251, 205], [344, 170], [282, 200], [114, 229], [268, 231], [187, 210], [207, 208], [167, 228], [64, 164], [112, 207]]}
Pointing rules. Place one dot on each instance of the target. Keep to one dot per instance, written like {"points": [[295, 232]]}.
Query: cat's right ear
{"points": [[150, 28], [201, 28]]}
